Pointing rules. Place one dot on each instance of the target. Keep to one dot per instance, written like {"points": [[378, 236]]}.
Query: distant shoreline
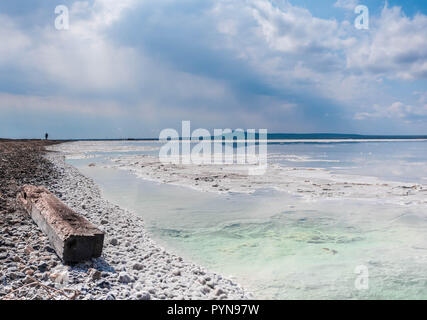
{"points": [[271, 138]]}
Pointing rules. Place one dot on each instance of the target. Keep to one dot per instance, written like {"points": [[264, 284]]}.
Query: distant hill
{"points": [[337, 136], [332, 136]]}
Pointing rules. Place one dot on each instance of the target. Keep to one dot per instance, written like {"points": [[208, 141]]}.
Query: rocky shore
{"points": [[132, 265]]}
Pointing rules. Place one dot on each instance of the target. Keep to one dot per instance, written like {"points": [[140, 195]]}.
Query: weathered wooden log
{"points": [[73, 237]]}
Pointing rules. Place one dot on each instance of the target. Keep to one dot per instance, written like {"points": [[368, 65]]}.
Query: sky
{"points": [[132, 68]]}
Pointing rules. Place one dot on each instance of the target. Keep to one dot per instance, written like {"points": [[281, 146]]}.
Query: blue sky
{"points": [[132, 68]]}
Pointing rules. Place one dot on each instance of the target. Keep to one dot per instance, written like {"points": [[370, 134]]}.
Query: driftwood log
{"points": [[73, 237]]}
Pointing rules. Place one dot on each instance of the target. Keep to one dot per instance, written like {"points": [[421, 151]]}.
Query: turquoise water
{"points": [[281, 247]]}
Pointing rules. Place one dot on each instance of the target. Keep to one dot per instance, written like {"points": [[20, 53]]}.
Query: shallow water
{"points": [[282, 247]]}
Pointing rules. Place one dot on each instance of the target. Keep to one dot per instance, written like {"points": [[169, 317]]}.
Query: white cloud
{"points": [[12, 40], [422, 97], [79, 59], [395, 47], [295, 30], [294, 49], [397, 110], [346, 4], [56, 104]]}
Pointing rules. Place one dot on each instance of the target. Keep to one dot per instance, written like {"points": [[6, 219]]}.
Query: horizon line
{"points": [[320, 136]]}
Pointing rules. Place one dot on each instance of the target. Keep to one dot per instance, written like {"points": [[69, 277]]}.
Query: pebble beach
{"points": [[132, 265]]}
